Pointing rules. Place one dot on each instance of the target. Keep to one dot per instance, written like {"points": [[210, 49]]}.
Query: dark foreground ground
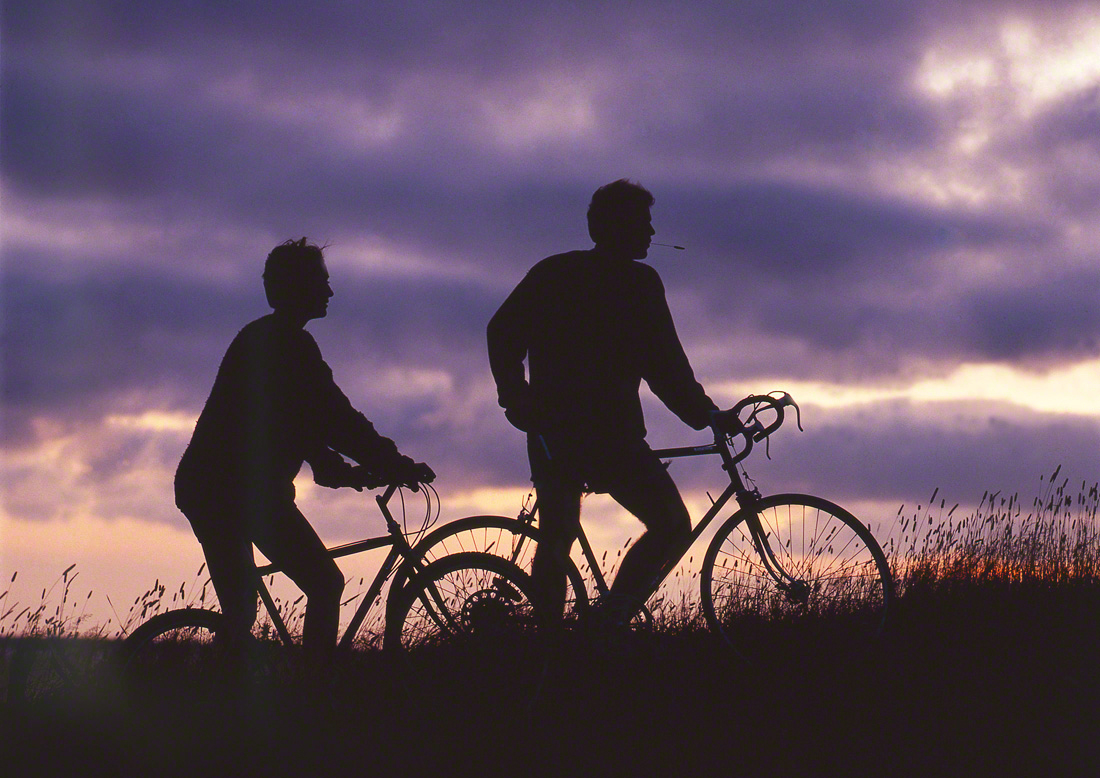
{"points": [[990, 681]]}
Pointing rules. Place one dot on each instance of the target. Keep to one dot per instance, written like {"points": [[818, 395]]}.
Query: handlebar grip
{"points": [[773, 403], [752, 430], [752, 399], [749, 432], [361, 478], [768, 430]]}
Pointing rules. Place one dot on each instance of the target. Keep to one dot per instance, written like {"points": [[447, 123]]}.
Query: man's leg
{"points": [[559, 515], [232, 570], [651, 495], [216, 519], [289, 541]]}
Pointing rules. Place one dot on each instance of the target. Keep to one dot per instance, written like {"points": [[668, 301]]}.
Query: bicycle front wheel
{"points": [[468, 619], [794, 568], [508, 538]]}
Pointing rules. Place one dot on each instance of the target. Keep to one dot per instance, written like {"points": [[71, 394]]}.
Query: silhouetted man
{"points": [[274, 405], [592, 324]]}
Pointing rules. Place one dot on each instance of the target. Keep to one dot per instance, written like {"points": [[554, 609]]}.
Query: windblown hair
{"points": [[285, 266], [611, 203]]}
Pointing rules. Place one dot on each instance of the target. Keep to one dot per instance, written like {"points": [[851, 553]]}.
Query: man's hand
{"points": [[726, 422], [406, 472], [331, 470], [522, 415]]}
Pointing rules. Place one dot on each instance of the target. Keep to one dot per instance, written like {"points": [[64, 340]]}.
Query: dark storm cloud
{"points": [[72, 339], [1038, 325], [1065, 132], [879, 278], [75, 347], [1057, 320], [469, 139], [811, 234], [898, 451], [884, 450]]}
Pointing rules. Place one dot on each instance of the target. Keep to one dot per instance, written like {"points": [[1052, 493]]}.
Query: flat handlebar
{"points": [[360, 478]]}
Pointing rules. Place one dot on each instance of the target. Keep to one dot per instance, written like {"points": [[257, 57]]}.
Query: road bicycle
{"points": [[779, 563], [475, 606]]}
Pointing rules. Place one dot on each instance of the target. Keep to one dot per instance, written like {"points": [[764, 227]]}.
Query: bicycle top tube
{"points": [[728, 425], [358, 546], [687, 451]]}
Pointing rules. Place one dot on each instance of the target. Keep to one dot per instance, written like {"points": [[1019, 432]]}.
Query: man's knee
{"points": [[674, 530], [325, 583], [668, 521], [333, 580]]}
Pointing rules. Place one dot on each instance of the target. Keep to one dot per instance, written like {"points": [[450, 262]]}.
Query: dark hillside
{"points": [[971, 680]]}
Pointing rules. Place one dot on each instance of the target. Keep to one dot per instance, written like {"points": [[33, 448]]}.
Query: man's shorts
{"points": [[590, 466]]}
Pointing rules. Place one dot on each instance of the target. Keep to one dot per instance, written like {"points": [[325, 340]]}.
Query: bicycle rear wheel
{"points": [[818, 574], [468, 619], [508, 538], [179, 638]]}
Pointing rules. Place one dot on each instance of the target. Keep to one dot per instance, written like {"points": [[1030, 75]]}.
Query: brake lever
{"points": [[754, 429], [786, 399]]}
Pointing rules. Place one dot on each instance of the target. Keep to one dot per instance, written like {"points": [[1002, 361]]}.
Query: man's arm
{"points": [[668, 372], [507, 339], [337, 423]]}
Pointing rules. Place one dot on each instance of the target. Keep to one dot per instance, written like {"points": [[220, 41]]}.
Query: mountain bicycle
{"points": [[476, 606], [778, 563]]}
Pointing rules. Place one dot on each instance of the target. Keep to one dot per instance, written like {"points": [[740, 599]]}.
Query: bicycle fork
{"points": [[794, 589]]}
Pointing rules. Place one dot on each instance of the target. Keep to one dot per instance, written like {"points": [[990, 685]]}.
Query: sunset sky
{"points": [[891, 210]]}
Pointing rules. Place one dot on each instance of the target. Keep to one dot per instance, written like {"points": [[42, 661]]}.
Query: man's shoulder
{"points": [[642, 278], [556, 263], [272, 332], [645, 272]]}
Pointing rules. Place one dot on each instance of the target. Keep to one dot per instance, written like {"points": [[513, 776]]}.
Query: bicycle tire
{"points": [[182, 638], [508, 538], [468, 618], [841, 591]]}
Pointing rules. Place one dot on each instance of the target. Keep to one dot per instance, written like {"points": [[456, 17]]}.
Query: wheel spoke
{"points": [[823, 564]]}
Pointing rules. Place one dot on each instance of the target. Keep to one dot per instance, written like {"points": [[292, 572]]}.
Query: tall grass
{"points": [[1055, 542], [58, 612]]}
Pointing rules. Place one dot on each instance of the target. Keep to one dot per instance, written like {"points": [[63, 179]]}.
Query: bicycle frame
{"points": [[400, 552], [746, 498]]}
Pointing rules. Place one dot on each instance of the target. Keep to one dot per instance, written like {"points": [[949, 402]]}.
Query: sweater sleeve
{"points": [[340, 425], [507, 338], [668, 371]]}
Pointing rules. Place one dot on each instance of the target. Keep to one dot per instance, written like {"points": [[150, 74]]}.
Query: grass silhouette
{"points": [[988, 667]]}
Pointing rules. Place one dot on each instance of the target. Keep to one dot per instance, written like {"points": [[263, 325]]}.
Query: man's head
{"points": [[296, 279], [619, 218]]}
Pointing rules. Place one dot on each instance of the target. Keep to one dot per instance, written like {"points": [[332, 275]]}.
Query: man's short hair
{"points": [[612, 203], [285, 266]]}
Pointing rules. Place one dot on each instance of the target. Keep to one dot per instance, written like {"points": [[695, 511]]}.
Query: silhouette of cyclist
{"points": [[591, 325], [274, 405]]}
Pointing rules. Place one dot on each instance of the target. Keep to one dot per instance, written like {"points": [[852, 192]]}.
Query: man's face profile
{"points": [[316, 290], [633, 232], [307, 295]]}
